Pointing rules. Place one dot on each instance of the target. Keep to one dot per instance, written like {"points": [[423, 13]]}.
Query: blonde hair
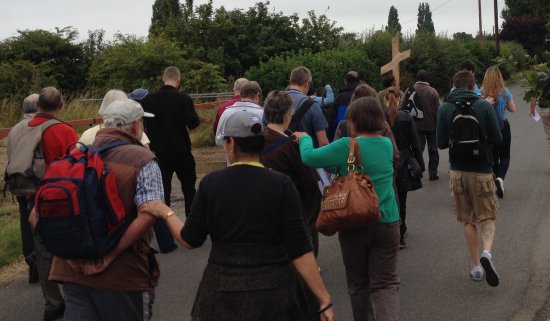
{"points": [[392, 98], [493, 83]]}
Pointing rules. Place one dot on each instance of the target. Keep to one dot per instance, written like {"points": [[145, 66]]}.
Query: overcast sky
{"points": [[134, 16]]}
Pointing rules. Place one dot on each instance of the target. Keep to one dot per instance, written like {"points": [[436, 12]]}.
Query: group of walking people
{"points": [[260, 211]]}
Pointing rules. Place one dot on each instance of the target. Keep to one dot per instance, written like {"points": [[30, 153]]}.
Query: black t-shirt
{"points": [[247, 204]]}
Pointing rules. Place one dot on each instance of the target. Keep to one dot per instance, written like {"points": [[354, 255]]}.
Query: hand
{"points": [[328, 315], [155, 208], [90, 267], [33, 218], [490, 99], [299, 135]]}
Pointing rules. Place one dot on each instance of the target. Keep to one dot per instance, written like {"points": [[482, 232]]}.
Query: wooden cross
{"points": [[396, 58]]}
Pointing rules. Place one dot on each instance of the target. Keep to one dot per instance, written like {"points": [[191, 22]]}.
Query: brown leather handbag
{"points": [[350, 201]]}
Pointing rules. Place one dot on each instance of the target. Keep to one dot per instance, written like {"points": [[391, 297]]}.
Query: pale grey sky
{"points": [[134, 16]]}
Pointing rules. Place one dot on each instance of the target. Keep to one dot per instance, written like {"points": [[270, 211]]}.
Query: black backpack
{"points": [[299, 114], [413, 105], [466, 138]]}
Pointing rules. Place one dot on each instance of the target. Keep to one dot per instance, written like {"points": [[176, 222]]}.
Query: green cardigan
{"points": [[377, 159]]}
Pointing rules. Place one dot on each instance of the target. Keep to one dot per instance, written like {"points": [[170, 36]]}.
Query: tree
{"points": [[393, 21], [319, 33], [58, 49], [425, 23], [132, 62], [463, 36], [165, 18], [530, 32]]}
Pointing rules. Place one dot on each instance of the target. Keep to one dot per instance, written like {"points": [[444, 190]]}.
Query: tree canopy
{"points": [[393, 21], [424, 23]]}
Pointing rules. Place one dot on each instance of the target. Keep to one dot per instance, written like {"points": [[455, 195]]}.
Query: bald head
{"points": [[49, 99], [171, 73], [30, 104], [351, 77], [238, 85]]}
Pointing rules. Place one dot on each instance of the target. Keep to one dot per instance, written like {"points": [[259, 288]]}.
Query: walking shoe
{"points": [[490, 273], [434, 177], [499, 182], [51, 315], [402, 244], [477, 273]]}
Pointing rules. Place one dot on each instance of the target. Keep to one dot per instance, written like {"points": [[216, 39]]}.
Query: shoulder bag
{"points": [[350, 201]]}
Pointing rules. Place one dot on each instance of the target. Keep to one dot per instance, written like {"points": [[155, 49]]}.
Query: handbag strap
{"points": [[354, 156]]}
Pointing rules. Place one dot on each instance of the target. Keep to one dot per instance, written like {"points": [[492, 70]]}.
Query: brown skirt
{"points": [[252, 282]]}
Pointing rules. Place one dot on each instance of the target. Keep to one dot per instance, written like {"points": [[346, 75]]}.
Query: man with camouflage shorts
{"points": [[471, 180]]}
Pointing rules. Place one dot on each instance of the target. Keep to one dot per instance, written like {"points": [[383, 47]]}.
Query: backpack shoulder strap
{"points": [[110, 145], [299, 114], [276, 144]]}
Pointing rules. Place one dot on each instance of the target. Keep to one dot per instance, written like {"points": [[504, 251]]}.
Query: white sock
{"points": [[488, 253]]}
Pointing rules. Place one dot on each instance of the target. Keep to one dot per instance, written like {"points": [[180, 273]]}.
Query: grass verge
{"points": [[10, 235]]}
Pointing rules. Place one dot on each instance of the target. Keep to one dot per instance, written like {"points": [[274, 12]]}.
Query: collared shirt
{"points": [[149, 184]]}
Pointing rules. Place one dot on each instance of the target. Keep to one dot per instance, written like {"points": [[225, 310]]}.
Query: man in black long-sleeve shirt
{"points": [[174, 113]]}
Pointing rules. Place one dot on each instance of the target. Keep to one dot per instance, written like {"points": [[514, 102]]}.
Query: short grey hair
{"points": [[30, 104], [110, 96], [112, 123]]}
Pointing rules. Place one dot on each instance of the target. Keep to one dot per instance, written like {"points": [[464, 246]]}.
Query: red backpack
{"points": [[80, 213]]}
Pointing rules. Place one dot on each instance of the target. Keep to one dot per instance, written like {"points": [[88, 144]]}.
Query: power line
{"points": [[438, 7]]}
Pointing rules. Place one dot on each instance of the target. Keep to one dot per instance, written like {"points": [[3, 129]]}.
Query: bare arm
{"points": [[322, 139], [511, 106], [309, 271], [532, 106], [159, 210]]}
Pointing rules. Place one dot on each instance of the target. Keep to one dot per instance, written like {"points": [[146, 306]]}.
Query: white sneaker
{"points": [[477, 273], [499, 182]]}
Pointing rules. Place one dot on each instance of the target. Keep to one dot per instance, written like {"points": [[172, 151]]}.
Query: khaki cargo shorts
{"points": [[474, 196]]}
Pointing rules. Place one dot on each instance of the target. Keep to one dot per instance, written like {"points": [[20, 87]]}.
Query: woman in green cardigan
{"points": [[369, 253]]}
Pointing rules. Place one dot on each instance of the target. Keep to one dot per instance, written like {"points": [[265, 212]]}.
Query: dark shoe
{"points": [[499, 182], [52, 315], [33, 274], [402, 244], [434, 177], [169, 249], [490, 273]]}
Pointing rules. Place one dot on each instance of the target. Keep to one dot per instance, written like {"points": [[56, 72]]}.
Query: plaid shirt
{"points": [[149, 184]]}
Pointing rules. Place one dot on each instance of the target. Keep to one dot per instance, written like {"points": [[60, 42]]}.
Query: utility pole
{"points": [[496, 29], [480, 25]]}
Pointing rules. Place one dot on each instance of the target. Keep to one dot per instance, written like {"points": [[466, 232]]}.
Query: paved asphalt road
{"points": [[435, 284]]}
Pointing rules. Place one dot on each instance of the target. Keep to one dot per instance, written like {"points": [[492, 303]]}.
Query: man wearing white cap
{"points": [[125, 288]]}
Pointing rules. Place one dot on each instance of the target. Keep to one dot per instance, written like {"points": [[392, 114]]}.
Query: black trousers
{"points": [[25, 208], [183, 164], [433, 155]]}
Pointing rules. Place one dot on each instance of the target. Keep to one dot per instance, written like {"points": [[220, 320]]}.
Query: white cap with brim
{"points": [[243, 124], [124, 112]]}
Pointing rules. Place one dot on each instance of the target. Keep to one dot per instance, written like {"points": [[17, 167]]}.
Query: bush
{"points": [[327, 67]]}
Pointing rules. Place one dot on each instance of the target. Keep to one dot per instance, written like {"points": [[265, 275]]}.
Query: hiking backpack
{"points": [[80, 212], [26, 158], [413, 105], [466, 137]]}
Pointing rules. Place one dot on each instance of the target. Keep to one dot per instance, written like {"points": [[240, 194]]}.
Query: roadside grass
{"points": [[10, 236]]}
